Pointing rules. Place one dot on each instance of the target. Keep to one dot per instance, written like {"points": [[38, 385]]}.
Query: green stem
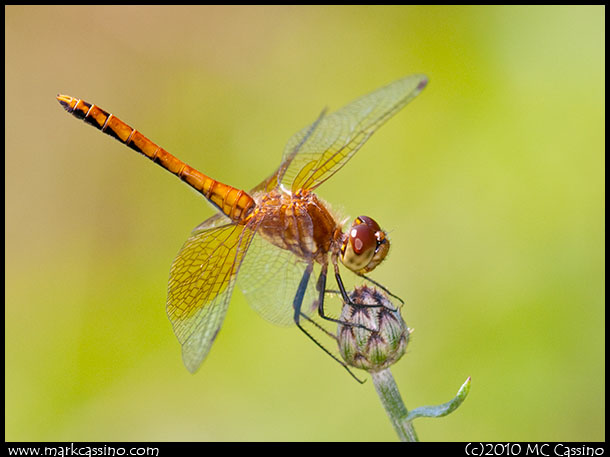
{"points": [[392, 402]]}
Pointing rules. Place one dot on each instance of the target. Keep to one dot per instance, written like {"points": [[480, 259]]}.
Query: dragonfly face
{"points": [[365, 246], [268, 240]]}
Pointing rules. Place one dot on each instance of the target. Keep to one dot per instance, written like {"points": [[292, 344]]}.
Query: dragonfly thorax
{"points": [[299, 222]]}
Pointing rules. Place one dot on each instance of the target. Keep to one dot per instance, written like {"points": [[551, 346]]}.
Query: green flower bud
{"points": [[385, 335]]}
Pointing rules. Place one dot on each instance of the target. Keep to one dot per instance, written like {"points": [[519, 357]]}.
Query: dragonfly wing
{"points": [[269, 278], [214, 221], [318, 151], [201, 281]]}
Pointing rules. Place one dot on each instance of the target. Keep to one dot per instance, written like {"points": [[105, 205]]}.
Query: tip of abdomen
{"points": [[65, 101]]}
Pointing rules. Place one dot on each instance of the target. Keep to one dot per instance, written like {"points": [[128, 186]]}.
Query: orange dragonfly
{"points": [[273, 235]]}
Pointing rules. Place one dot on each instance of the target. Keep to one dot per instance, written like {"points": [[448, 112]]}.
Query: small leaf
{"points": [[441, 410]]}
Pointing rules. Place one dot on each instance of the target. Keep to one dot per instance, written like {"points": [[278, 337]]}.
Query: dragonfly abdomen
{"points": [[235, 203]]}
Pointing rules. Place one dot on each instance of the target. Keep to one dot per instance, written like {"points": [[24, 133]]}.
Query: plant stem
{"points": [[392, 402]]}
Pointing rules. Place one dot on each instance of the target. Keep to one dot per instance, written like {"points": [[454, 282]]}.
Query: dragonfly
{"points": [[268, 240]]}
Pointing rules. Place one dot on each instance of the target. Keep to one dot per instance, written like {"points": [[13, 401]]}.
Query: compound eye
{"points": [[365, 247], [363, 240], [359, 247], [368, 221]]}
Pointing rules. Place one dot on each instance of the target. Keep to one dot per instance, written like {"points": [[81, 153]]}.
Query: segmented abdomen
{"points": [[235, 203]]}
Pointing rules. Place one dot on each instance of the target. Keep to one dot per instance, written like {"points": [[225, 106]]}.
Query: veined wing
{"points": [[269, 278], [299, 139], [318, 151], [201, 282], [213, 221]]}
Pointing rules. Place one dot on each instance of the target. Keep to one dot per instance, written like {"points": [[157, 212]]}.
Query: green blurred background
{"points": [[491, 184]]}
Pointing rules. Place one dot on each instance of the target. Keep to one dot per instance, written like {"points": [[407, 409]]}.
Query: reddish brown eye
{"points": [[365, 246], [362, 238], [368, 221]]}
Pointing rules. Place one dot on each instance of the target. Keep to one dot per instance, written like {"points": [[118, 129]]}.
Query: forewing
{"points": [[269, 278], [318, 151], [200, 285]]}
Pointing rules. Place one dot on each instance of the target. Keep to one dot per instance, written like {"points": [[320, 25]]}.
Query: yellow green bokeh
{"points": [[491, 185]]}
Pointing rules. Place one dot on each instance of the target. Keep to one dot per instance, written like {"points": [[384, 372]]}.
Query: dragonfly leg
{"points": [[333, 291], [342, 290], [372, 281], [298, 302], [314, 323], [321, 286], [346, 298]]}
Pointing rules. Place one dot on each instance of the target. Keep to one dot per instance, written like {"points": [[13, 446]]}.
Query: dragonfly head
{"points": [[365, 245]]}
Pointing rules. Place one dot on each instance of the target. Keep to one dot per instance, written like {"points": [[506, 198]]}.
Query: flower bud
{"points": [[377, 336]]}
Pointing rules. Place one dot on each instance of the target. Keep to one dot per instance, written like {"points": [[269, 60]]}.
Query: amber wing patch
{"points": [[201, 282]]}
